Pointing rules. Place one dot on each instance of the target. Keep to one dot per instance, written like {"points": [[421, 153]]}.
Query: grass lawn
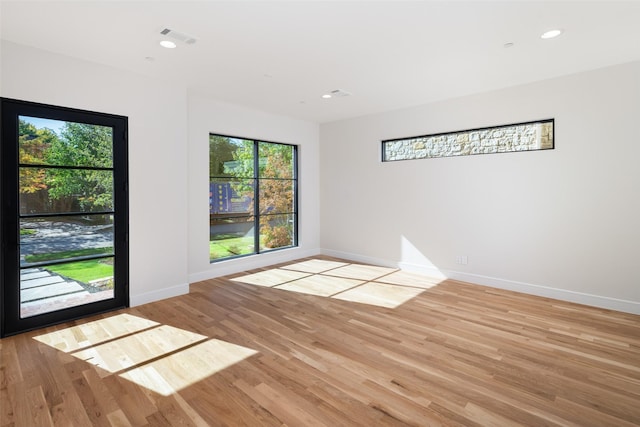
{"points": [[81, 271], [230, 247], [84, 271]]}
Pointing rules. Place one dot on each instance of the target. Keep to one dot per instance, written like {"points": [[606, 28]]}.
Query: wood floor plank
{"points": [[20, 412], [118, 418], [246, 353]]}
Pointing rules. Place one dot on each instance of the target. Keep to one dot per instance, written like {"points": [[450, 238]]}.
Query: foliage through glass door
{"points": [[64, 214]]}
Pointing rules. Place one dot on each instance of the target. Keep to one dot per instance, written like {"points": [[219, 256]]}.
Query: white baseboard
{"points": [[242, 264], [427, 270], [238, 265], [626, 306], [158, 295]]}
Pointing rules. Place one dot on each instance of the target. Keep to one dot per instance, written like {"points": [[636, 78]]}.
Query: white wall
{"points": [[563, 223], [157, 153], [168, 162], [209, 116]]}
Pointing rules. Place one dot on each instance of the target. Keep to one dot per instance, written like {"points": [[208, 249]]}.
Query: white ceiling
{"points": [[282, 56]]}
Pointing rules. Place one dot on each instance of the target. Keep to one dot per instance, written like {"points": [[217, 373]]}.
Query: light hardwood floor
{"points": [[328, 343]]}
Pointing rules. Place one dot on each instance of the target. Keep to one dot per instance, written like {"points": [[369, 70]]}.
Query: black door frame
{"points": [[10, 109]]}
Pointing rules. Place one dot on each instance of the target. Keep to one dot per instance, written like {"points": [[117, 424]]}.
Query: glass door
{"points": [[64, 216]]}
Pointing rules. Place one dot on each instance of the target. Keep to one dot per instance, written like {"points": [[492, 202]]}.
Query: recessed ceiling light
{"points": [[551, 34], [337, 93], [168, 44]]}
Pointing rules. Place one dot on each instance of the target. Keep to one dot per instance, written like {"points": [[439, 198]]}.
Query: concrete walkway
{"points": [[42, 291], [37, 284], [60, 236]]}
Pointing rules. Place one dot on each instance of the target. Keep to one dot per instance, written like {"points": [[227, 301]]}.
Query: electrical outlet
{"points": [[462, 259]]}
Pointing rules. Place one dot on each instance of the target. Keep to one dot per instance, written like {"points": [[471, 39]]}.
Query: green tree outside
{"points": [[276, 194], [82, 145], [235, 158], [79, 144], [44, 189], [33, 144]]}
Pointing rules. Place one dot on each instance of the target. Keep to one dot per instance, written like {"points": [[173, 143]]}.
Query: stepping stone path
{"points": [[43, 287], [42, 292]]}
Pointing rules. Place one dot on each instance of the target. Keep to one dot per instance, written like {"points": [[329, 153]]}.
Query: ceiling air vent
{"points": [[338, 93], [181, 37]]}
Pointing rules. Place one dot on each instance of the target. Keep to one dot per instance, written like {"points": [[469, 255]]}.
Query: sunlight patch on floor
{"points": [[162, 358], [96, 332], [138, 348], [361, 272], [179, 370], [273, 277], [323, 286], [365, 284], [380, 294], [314, 265]]}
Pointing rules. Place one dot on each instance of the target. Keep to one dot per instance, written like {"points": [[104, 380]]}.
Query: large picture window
{"points": [[252, 196]]}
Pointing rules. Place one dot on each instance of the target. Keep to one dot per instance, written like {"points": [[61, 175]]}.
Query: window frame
{"points": [[384, 142], [10, 215], [257, 215]]}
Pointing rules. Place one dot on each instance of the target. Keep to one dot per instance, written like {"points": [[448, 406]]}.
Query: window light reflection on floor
{"points": [[366, 284], [181, 369], [136, 349], [96, 332], [161, 358]]}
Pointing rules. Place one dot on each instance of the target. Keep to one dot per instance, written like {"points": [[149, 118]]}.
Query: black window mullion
{"points": [[62, 214], [256, 196], [66, 260], [295, 195], [86, 168]]}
